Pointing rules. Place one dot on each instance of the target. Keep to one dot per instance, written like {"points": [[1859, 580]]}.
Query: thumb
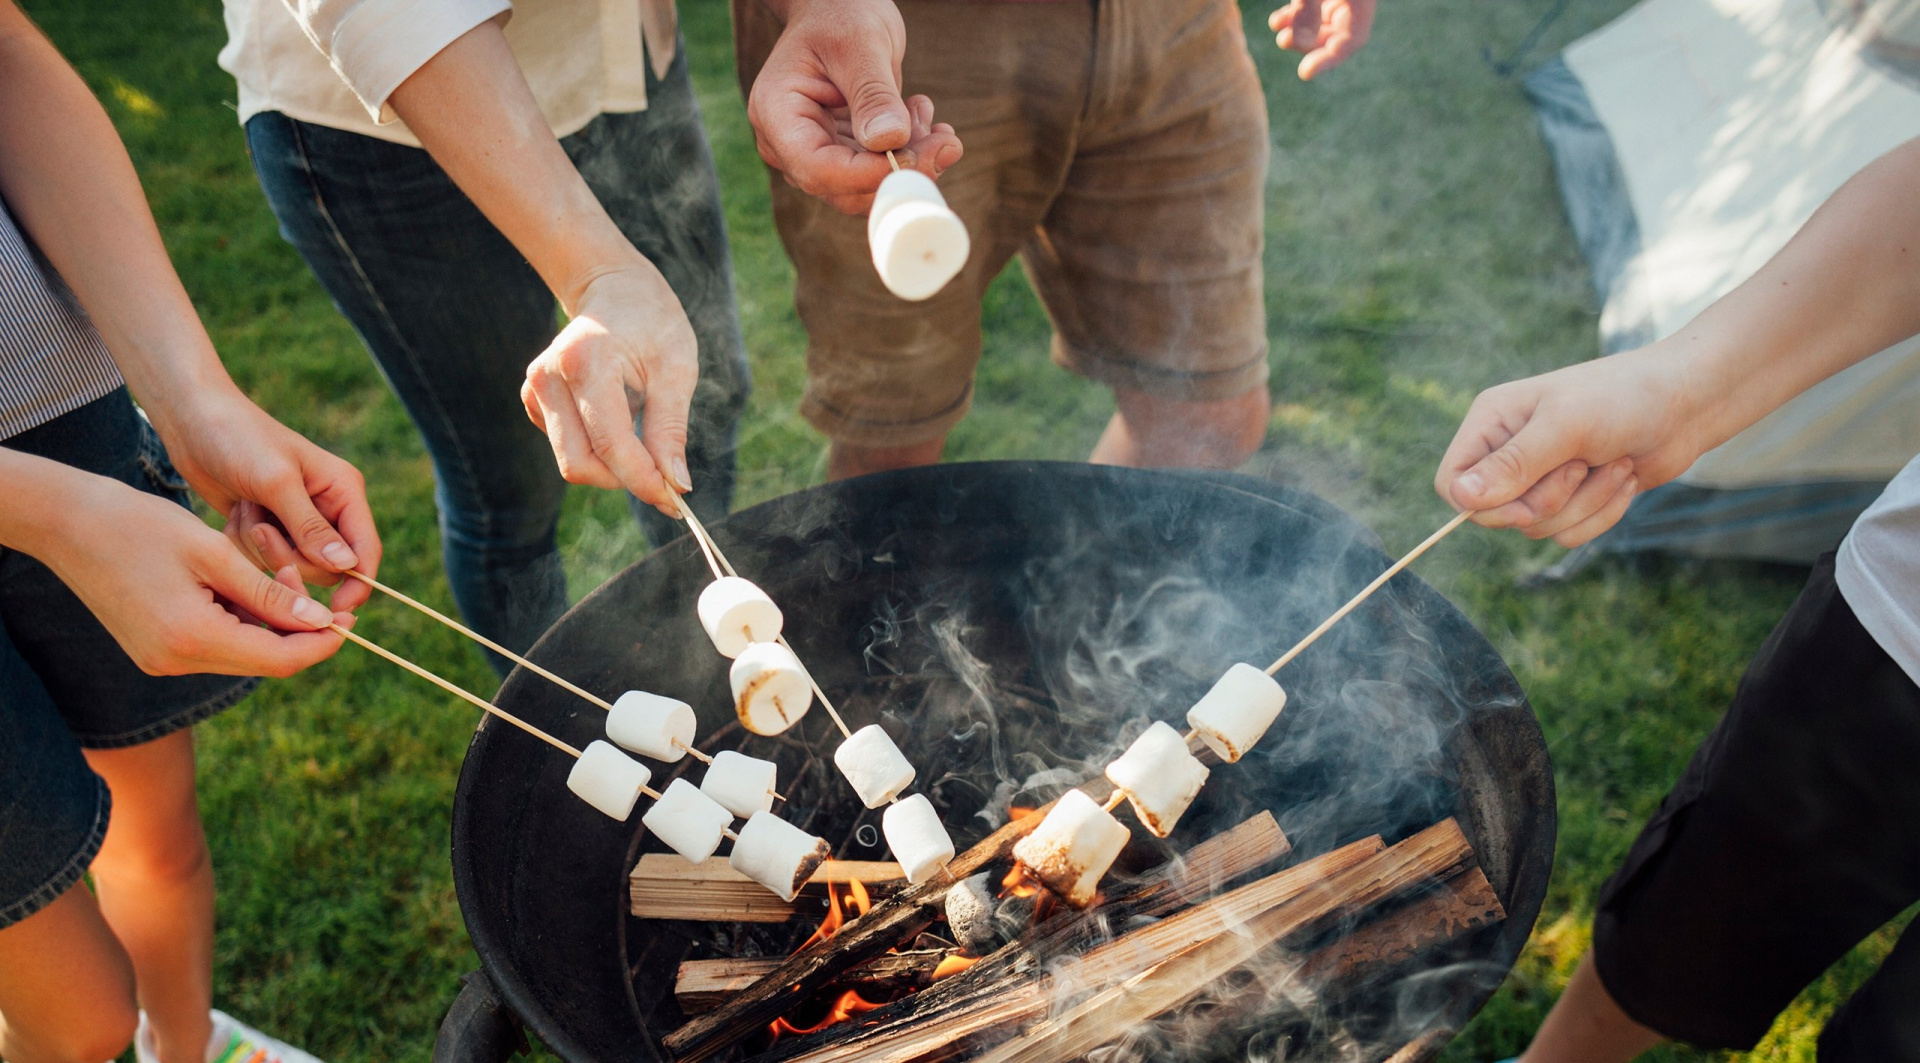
{"points": [[312, 534], [273, 600], [872, 90], [1509, 471]]}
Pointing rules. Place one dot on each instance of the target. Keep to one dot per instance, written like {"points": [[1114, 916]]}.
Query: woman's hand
{"points": [[174, 593], [1325, 32], [1562, 454], [258, 471], [629, 346]]}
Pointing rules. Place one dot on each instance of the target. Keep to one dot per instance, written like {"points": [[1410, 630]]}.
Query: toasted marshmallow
{"points": [[1073, 847], [1159, 777], [770, 688], [777, 854], [1237, 711]]}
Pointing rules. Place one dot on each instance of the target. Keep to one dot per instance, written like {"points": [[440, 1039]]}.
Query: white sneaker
{"points": [[233, 1041]]}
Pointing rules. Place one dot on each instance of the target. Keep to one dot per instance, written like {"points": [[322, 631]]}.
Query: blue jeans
{"points": [[452, 314]]}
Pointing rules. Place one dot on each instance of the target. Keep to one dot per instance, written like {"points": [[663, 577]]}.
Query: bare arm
{"points": [[69, 183], [629, 343], [1562, 454]]}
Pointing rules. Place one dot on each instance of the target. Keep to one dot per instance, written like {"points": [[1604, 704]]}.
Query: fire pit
{"points": [[1014, 626]]}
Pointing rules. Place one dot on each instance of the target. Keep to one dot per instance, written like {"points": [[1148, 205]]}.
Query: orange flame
{"points": [[952, 965], [1019, 812], [840, 911]]}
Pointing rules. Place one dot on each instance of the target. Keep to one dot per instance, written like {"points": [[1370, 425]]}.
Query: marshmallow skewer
{"points": [[504, 652]]}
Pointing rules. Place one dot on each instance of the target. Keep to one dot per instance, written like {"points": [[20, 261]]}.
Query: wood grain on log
{"points": [[701, 985], [666, 886]]}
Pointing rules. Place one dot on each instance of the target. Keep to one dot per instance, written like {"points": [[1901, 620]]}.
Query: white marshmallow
{"points": [[741, 784], [918, 243], [608, 779], [1237, 711], [777, 854], [874, 765], [690, 822], [770, 688], [651, 725], [737, 614], [918, 840], [1073, 847], [1159, 777]]}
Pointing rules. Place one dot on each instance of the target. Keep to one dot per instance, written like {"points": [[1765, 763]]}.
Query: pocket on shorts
{"points": [[162, 478]]}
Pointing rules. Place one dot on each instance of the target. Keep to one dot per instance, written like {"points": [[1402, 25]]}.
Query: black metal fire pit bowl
{"points": [[1012, 625]]}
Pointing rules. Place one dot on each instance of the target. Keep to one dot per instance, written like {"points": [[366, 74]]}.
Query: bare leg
{"points": [[66, 987], [847, 459], [156, 888], [1152, 432], [1586, 1026]]}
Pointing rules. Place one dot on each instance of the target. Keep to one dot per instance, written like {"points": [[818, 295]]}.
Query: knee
{"points": [[175, 860], [103, 1030]]}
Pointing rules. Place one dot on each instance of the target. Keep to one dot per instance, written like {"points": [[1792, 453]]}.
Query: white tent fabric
{"points": [[1731, 121]]}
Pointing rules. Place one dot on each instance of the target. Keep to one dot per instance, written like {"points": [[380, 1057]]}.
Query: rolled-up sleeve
{"points": [[374, 45]]}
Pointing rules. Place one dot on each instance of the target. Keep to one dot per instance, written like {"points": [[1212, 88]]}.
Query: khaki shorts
{"points": [[1120, 149]]}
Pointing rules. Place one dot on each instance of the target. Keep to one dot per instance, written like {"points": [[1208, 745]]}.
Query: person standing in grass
{"points": [[1118, 147], [1791, 836], [124, 620], [450, 169]]}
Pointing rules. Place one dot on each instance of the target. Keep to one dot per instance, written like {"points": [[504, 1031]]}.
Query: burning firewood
{"points": [[701, 985]]}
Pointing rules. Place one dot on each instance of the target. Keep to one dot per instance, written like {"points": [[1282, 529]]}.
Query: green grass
{"points": [[1416, 253]]}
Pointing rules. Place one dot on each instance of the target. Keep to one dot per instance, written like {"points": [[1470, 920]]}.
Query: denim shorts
{"points": [[65, 685]]}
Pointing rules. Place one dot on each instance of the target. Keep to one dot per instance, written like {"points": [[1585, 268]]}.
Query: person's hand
{"points": [[1562, 454], [827, 105], [1325, 32], [628, 346], [176, 595], [261, 473]]}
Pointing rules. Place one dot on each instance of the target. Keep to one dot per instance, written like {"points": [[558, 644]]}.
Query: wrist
{"points": [[47, 500], [580, 276]]}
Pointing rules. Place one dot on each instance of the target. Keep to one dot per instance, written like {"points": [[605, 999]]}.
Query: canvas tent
{"points": [[1692, 138]]}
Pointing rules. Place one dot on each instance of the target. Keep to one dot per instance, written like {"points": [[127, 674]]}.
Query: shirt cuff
{"points": [[383, 42]]}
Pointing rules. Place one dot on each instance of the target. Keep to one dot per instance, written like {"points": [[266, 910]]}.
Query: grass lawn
{"points": [[1416, 253]]}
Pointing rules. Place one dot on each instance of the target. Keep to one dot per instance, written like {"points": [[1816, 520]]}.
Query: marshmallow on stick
{"points": [[1237, 711], [741, 784], [874, 765], [770, 688], [1159, 777], [737, 614], [918, 243], [690, 822], [608, 779], [918, 839], [1073, 847], [777, 854], [651, 725]]}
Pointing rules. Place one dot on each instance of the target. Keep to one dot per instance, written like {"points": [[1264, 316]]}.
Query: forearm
{"points": [[70, 185], [472, 110], [1845, 287], [41, 497]]}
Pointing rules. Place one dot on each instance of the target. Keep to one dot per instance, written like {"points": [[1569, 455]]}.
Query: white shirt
{"points": [[1878, 569], [335, 62]]}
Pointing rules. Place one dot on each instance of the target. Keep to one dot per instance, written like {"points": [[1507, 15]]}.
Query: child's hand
{"points": [[1326, 32], [175, 594], [1562, 454], [248, 465]]}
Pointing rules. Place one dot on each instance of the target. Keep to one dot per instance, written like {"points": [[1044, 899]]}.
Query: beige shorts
{"points": [[1120, 149]]}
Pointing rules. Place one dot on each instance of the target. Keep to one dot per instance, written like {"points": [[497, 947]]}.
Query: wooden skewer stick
{"points": [[893, 162], [504, 652], [456, 691], [1367, 592]]}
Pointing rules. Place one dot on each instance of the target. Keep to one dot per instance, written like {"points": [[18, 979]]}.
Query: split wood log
{"points": [[1422, 1048], [667, 886], [1460, 906], [924, 1024], [809, 970], [1439, 850], [1207, 866], [701, 985]]}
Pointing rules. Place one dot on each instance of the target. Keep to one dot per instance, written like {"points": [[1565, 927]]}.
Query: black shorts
{"points": [[65, 685], [1793, 835]]}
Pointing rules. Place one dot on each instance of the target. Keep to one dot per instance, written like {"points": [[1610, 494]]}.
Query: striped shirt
{"points": [[52, 361]]}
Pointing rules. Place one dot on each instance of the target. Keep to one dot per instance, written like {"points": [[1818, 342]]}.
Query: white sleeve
{"points": [[374, 45]]}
